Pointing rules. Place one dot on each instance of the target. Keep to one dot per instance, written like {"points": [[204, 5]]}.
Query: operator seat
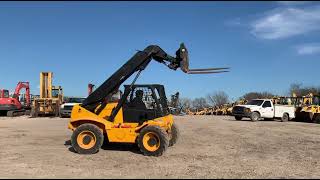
{"points": [[137, 101]]}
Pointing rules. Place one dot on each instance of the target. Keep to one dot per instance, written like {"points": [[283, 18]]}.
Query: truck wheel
{"points": [[87, 139], [153, 141], [175, 134], [285, 117], [238, 118], [254, 116]]}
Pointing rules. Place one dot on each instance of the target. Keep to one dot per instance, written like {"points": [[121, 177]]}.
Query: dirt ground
{"points": [[209, 147]]}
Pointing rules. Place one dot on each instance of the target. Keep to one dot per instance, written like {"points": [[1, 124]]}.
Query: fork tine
{"points": [[208, 69], [205, 72]]}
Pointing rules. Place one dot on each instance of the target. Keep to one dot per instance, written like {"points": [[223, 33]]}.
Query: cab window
{"points": [[146, 98], [266, 104], [6, 94]]}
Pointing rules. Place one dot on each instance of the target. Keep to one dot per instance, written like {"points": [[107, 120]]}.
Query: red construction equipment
{"points": [[11, 105]]}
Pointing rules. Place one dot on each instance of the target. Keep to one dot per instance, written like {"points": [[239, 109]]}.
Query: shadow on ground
{"points": [[110, 147]]}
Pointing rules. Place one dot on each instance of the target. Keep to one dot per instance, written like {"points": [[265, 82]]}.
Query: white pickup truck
{"points": [[263, 108]]}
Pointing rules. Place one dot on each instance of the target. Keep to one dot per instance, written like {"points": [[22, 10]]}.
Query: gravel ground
{"points": [[209, 147]]}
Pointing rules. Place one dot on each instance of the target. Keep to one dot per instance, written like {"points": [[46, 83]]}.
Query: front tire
{"points": [[87, 139], [254, 116], [153, 141], [174, 135]]}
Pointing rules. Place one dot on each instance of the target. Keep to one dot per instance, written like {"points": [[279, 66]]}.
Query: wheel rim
{"points": [[151, 141], [255, 117], [86, 139]]}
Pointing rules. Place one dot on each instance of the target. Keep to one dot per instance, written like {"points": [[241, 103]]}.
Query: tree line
{"points": [[218, 98]]}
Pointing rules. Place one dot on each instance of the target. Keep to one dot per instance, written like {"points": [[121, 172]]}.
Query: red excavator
{"points": [[12, 105]]}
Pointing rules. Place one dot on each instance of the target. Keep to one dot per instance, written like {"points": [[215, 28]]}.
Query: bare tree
{"points": [[257, 95], [295, 88], [199, 103], [302, 91], [218, 98], [184, 104]]}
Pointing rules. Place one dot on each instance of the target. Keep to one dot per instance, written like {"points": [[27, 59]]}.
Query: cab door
{"points": [[133, 113], [267, 110]]}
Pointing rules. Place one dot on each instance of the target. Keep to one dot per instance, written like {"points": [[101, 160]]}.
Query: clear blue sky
{"points": [[268, 45]]}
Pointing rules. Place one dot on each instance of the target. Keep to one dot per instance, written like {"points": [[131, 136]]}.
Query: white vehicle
{"points": [[66, 108], [263, 108]]}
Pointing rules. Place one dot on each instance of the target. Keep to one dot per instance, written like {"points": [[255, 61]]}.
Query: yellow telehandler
{"points": [[140, 116]]}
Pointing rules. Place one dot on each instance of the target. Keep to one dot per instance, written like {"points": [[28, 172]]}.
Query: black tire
{"points": [[316, 118], [93, 129], [254, 116], [34, 112], [163, 140], [10, 113], [285, 117], [27, 112], [238, 118], [175, 135]]}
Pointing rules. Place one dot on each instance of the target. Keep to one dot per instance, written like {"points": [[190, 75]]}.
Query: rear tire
{"points": [[175, 134], [254, 116], [285, 117], [153, 141], [238, 118], [87, 139], [316, 118]]}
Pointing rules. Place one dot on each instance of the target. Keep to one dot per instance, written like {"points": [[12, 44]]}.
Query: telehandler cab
{"points": [[140, 116]]}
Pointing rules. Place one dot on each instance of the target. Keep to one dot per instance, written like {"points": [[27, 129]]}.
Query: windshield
{"points": [[75, 100], [5, 93], [255, 102], [55, 93]]}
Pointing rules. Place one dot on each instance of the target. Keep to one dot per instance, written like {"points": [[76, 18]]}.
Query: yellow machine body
{"points": [[51, 97], [117, 131], [311, 110], [229, 110]]}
